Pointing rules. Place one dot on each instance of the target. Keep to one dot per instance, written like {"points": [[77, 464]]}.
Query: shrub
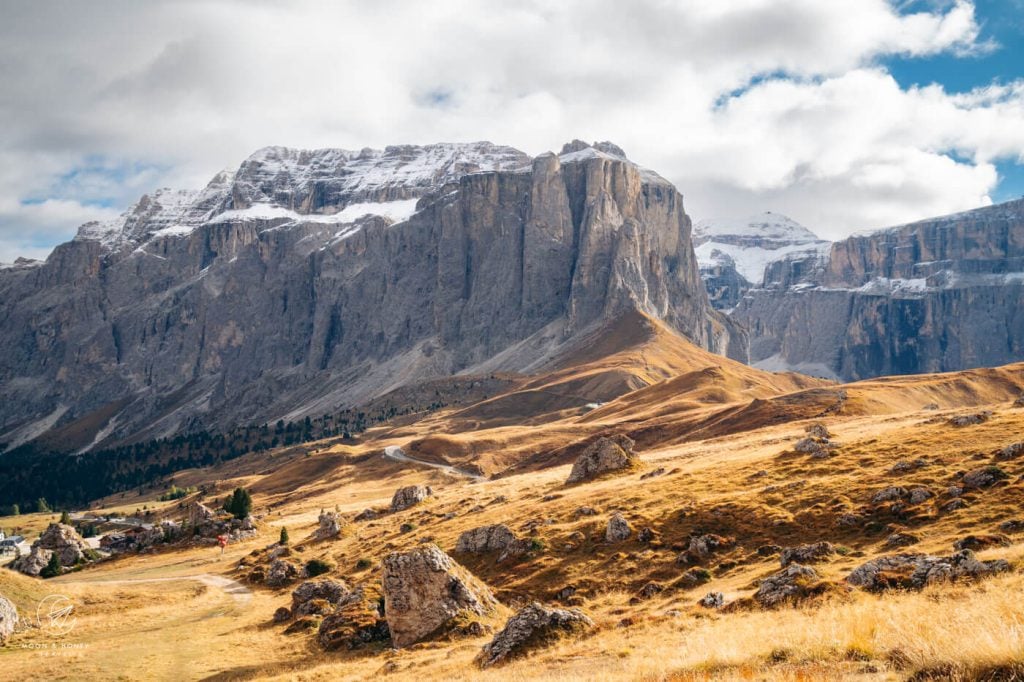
{"points": [[407, 527], [315, 567], [284, 536], [65, 518], [363, 564]]}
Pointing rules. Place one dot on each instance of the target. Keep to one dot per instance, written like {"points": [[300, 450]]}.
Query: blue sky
{"points": [[1002, 25], [845, 115]]}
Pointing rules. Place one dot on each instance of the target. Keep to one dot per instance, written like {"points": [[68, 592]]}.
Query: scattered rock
{"points": [[904, 467], [712, 600], [971, 419], [694, 577], [329, 525], [703, 546], [849, 520], [651, 474], [817, 430], [901, 540], [282, 614], [791, 583], [1012, 526], [975, 542], [650, 589], [805, 554], [768, 550], [495, 538], [604, 456], [984, 477], [646, 535], [332, 592], [890, 494], [532, 627], [931, 407], [367, 515], [953, 505], [1012, 451], [425, 590], [409, 496], [355, 623], [8, 618], [618, 529], [281, 573], [586, 511], [917, 570], [919, 495], [1019, 402]]}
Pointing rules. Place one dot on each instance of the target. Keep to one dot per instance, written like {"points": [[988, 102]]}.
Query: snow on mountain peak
{"points": [[752, 244]]}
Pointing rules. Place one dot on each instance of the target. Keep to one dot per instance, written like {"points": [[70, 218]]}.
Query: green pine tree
{"points": [[65, 518], [53, 567], [284, 536], [41, 505]]}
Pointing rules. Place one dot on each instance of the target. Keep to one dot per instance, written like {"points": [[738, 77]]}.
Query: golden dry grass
{"points": [[723, 435]]}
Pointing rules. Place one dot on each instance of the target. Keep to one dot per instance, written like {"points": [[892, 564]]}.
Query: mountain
{"points": [[935, 295], [311, 280], [764, 250]]}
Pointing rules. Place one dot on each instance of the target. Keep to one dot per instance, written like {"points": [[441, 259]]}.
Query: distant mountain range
{"points": [[310, 281], [305, 281]]}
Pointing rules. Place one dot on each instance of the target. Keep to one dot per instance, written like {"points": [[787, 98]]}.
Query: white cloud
{"points": [[759, 104]]}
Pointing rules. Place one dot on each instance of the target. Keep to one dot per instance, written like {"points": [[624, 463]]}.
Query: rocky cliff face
{"points": [[311, 280], [937, 295], [765, 250]]}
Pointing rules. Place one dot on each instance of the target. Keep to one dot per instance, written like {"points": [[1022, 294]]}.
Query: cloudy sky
{"points": [[845, 114]]}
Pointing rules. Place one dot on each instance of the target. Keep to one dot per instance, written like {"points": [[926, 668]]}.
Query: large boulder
{"points": [[494, 538], [34, 562], [425, 591], [8, 618], [65, 542], [604, 456], [328, 525], [915, 571], [409, 496], [333, 592], [532, 627], [791, 583]]}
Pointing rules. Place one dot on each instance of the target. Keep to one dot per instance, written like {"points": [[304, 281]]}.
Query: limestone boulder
{"points": [[604, 456], [425, 591], [533, 627]]}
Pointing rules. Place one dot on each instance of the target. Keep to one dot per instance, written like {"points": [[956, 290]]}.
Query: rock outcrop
{"points": [[604, 456], [889, 302], [425, 591], [495, 538], [58, 538], [915, 571], [328, 525], [313, 277], [8, 618], [409, 496], [333, 592], [790, 584], [533, 627], [356, 622]]}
